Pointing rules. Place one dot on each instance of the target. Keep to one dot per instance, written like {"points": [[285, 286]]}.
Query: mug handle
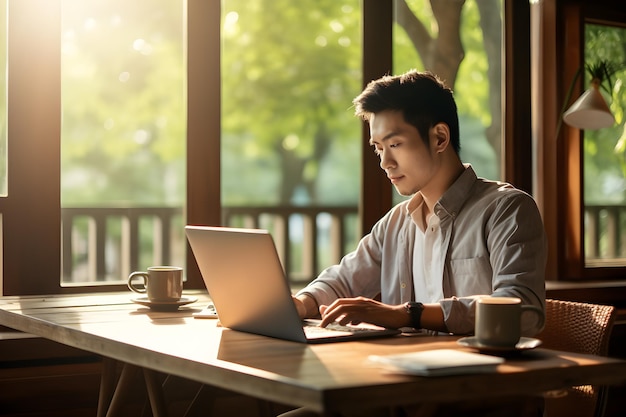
{"points": [[131, 286], [542, 317]]}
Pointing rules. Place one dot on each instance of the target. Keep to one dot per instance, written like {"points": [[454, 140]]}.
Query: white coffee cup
{"points": [[499, 320], [160, 283]]}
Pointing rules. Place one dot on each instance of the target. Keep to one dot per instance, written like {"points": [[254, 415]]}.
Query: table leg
{"points": [[123, 384], [155, 393], [107, 385], [110, 398], [201, 402]]}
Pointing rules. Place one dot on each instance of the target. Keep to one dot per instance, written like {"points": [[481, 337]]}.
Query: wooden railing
{"points": [[604, 233], [105, 244], [101, 245], [307, 238]]}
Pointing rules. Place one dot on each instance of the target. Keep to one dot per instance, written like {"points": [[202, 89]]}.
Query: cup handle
{"points": [[540, 314], [144, 277]]}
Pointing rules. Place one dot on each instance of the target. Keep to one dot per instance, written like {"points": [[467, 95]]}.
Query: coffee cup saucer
{"points": [[525, 343], [164, 305]]}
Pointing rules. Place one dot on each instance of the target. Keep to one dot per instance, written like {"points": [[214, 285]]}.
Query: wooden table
{"points": [[327, 378]]}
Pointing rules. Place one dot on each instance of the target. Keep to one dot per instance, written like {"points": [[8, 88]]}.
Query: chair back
{"points": [[580, 328]]}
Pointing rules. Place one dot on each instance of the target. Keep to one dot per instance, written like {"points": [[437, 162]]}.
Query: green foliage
{"points": [[289, 73], [123, 103], [472, 86]]}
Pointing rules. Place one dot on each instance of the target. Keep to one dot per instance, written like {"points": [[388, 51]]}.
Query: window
{"points": [[290, 140], [123, 178], [353, 35]]}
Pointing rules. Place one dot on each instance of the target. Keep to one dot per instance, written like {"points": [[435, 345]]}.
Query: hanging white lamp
{"points": [[590, 111]]}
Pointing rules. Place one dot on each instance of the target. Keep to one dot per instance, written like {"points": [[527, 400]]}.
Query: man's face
{"points": [[409, 163]]}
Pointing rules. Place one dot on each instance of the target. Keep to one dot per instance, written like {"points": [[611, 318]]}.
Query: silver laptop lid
{"points": [[246, 281]]}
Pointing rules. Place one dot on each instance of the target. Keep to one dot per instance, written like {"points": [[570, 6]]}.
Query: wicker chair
{"points": [[581, 328]]}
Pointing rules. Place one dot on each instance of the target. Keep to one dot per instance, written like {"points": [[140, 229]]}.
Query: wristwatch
{"points": [[415, 311]]}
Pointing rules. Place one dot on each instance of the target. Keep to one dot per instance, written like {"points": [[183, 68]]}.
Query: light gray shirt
{"points": [[485, 238]]}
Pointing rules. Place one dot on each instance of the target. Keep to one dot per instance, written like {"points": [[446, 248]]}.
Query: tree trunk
{"points": [[441, 55]]}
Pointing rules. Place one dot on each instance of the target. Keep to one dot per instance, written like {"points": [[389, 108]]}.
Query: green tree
{"points": [[289, 71]]}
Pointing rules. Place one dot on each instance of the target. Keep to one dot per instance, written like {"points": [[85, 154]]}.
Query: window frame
{"points": [[558, 48], [31, 212]]}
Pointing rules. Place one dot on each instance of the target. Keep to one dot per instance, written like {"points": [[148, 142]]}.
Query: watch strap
{"points": [[415, 312]]}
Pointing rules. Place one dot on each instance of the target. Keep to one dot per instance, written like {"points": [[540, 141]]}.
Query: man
{"points": [[458, 238]]}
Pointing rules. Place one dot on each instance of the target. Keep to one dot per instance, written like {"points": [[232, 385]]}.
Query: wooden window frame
{"points": [[558, 50], [31, 213]]}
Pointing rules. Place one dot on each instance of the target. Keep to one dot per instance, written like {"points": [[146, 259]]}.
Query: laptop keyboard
{"points": [[335, 327]]}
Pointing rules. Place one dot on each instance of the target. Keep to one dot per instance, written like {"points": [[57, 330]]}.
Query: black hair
{"points": [[422, 97]]}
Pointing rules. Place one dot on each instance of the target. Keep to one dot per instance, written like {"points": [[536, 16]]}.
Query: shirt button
{"points": [[403, 285]]}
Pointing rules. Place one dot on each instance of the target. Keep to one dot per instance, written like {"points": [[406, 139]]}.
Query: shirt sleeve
{"points": [[374, 268], [358, 273]]}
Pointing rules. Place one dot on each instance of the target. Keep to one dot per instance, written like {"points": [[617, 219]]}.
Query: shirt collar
{"points": [[450, 202]]}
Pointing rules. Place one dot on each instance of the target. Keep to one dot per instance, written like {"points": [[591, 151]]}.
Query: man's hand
{"points": [[357, 310]]}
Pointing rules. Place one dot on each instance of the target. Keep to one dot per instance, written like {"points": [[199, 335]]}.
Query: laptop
{"points": [[247, 284]]}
